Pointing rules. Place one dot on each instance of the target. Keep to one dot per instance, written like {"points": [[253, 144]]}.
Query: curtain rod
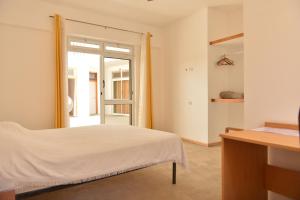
{"points": [[103, 26]]}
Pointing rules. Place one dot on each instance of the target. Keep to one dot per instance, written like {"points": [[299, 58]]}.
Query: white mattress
{"points": [[36, 159]]}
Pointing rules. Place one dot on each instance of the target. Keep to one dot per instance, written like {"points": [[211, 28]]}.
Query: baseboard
{"points": [[212, 144]]}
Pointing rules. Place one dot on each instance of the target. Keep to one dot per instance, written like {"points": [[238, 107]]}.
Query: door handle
{"points": [[103, 83]]}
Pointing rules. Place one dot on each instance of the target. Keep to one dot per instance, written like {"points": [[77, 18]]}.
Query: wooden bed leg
{"points": [[174, 173]]}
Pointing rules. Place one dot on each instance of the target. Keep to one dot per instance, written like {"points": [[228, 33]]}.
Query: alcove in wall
{"points": [[225, 33]]}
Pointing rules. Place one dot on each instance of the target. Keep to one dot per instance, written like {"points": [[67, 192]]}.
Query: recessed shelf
{"points": [[229, 40], [227, 100]]}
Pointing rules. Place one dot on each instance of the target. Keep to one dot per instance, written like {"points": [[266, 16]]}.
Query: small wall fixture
{"points": [[225, 61]]}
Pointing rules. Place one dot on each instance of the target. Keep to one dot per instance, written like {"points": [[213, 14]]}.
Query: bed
{"points": [[38, 160]]}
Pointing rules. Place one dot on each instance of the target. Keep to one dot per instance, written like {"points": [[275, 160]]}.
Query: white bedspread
{"points": [[35, 159]]}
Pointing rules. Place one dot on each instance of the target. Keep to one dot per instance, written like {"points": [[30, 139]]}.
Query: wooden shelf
{"points": [[227, 100], [228, 39]]}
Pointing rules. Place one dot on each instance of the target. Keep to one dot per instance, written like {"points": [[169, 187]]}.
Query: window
{"points": [[85, 45], [100, 79], [118, 48], [121, 90]]}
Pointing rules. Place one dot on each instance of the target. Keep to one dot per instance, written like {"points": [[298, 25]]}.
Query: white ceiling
{"points": [[157, 12]]}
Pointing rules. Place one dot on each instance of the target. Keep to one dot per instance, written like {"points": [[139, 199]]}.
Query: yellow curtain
{"points": [[148, 82], [59, 106]]}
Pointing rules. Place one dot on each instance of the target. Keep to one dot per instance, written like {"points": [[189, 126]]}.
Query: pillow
{"points": [[6, 127]]}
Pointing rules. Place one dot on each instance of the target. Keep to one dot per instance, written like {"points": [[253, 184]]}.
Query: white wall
{"points": [[224, 21], [272, 67], [187, 72], [272, 61], [159, 90], [27, 57], [186, 76], [26, 76]]}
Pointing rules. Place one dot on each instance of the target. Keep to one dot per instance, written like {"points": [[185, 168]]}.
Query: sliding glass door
{"points": [[118, 91], [100, 83]]}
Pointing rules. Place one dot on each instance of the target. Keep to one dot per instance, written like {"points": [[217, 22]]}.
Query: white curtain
{"points": [[141, 84], [65, 72]]}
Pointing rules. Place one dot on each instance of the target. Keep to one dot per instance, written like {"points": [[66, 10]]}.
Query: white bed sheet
{"points": [[36, 159]]}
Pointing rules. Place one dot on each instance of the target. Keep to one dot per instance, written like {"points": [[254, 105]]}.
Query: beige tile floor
{"points": [[202, 181]]}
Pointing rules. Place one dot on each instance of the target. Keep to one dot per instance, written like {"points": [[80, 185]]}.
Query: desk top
{"points": [[278, 141]]}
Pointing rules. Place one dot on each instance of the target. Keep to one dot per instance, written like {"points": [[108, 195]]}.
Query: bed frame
{"points": [[25, 195]]}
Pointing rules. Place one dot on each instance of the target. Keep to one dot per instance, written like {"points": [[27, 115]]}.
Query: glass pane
{"points": [[86, 45], [117, 79], [83, 89], [118, 114], [117, 49]]}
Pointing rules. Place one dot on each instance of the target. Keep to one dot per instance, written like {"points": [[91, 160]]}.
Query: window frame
{"points": [[109, 54]]}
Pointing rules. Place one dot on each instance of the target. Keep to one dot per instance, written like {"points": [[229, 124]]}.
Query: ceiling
{"points": [[157, 12]]}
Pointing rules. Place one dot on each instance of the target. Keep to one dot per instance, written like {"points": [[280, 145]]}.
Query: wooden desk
{"points": [[246, 173]]}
